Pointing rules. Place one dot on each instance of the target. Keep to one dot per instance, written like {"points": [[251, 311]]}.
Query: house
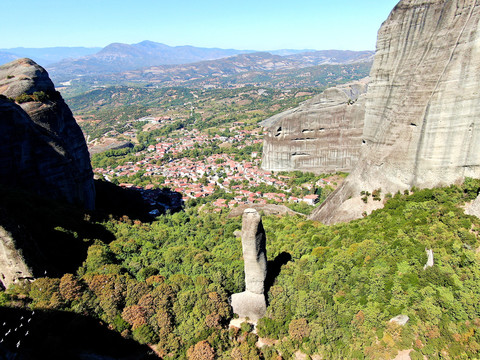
{"points": [[311, 199]]}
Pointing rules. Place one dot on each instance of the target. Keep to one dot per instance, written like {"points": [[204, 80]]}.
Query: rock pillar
{"points": [[251, 303]]}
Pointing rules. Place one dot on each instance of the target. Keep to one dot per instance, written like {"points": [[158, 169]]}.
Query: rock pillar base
{"points": [[248, 304]]}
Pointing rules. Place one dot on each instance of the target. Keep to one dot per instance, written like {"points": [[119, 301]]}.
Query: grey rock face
{"points": [[41, 146], [21, 257], [429, 259], [13, 266], [324, 134], [474, 208], [248, 304], [422, 116], [23, 76], [254, 251], [251, 303]]}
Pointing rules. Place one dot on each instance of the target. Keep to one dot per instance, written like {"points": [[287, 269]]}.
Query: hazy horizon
{"points": [[249, 25]]}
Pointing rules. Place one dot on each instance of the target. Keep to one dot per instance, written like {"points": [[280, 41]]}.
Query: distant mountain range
{"points": [[171, 65], [45, 56], [119, 57], [253, 69]]}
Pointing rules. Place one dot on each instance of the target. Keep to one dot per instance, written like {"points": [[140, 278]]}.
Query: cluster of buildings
{"points": [[194, 178]]}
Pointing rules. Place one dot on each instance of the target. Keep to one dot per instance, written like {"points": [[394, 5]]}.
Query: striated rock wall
{"points": [[41, 146], [322, 135], [422, 116]]}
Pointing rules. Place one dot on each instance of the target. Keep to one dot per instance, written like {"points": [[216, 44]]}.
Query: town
{"points": [[171, 163]]}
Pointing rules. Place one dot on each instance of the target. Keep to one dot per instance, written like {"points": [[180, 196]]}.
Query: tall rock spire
{"points": [[251, 303], [254, 251]]}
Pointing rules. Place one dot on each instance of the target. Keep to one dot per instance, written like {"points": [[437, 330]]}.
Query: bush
{"points": [[23, 98], [40, 96], [145, 335], [246, 327], [36, 96]]}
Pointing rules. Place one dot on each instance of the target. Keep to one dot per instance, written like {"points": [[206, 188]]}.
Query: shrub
{"points": [[298, 329], [145, 335], [23, 98], [40, 96], [246, 327], [201, 351]]}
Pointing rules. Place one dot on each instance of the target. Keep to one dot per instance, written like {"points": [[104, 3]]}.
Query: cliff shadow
{"points": [[274, 267], [52, 236], [50, 334], [134, 202]]}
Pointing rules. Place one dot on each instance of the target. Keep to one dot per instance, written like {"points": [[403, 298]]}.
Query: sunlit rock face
{"points": [[42, 148], [422, 114], [322, 135], [251, 303]]}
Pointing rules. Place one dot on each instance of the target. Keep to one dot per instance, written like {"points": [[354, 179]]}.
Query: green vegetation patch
{"points": [[167, 283]]}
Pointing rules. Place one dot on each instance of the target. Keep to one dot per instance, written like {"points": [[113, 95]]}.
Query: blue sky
{"points": [[242, 24]]}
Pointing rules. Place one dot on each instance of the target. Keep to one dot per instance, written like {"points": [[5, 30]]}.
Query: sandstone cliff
{"points": [[422, 116], [322, 135], [41, 146]]}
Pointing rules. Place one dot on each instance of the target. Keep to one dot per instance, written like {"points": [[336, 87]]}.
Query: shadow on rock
{"points": [[51, 236]]}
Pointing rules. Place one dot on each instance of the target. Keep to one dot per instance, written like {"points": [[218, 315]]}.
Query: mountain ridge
{"points": [[255, 69], [121, 58]]}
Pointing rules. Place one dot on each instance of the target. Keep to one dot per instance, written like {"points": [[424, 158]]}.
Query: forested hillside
{"points": [[167, 283]]}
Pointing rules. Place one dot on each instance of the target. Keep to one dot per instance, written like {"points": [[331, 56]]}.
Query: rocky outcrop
{"points": [[429, 259], [400, 320], [422, 116], [13, 266], [322, 135], [473, 208], [266, 209], [42, 148], [251, 303]]}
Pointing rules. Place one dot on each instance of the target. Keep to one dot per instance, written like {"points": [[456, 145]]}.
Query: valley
{"points": [[202, 203], [203, 144]]}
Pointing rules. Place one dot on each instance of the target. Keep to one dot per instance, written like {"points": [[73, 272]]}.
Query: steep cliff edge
{"points": [[42, 148], [422, 116], [43, 151], [322, 135]]}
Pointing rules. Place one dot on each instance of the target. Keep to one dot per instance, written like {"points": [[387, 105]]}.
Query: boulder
{"points": [[400, 320]]}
